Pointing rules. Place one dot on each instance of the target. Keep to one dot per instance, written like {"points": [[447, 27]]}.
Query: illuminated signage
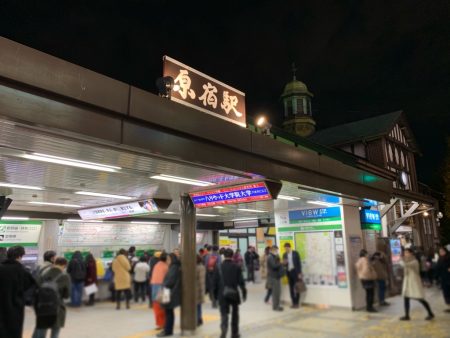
{"points": [[315, 215], [370, 220], [199, 91], [136, 208], [25, 233], [243, 193]]}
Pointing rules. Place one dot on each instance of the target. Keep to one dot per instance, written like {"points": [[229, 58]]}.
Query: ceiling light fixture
{"points": [[141, 222], [207, 215], [56, 204], [218, 207], [244, 219], [325, 204], [6, 218], [70, 162], [96, 194], [182, 180], [169, 213], [252, 210], [288, 198], [80, 220], [20, 186]]}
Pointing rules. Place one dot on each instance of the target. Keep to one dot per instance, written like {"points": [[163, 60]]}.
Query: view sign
{"points": [[202, 92], [137, 208]]}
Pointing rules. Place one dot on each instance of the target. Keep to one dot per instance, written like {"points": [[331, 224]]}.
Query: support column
{"points": [[188, 266]]}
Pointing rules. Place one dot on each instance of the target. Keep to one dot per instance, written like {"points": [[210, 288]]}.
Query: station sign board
{"points": [[202, 92], [131, 209], [225, 195], [25, 233], [370, 219]]}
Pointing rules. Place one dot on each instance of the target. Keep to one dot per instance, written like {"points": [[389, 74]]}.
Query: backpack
{"points": [[211, 265], [47, 298], [78, 272]]}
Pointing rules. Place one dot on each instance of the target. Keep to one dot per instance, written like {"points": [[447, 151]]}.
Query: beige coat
{"points": [[412, 284], [121, 268], [365, 270], [200, 286]]}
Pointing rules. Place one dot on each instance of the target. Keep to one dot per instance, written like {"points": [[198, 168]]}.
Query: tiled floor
{"points": [[258, 321]]}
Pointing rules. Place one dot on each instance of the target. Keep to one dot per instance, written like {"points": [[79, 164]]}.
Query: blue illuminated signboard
{"points": [[370, 220]]}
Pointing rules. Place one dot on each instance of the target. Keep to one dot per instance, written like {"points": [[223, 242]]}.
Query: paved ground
{"points": [[258, 321]]}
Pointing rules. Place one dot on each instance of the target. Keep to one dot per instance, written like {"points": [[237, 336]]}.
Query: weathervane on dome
{"points": [[294, 71]]}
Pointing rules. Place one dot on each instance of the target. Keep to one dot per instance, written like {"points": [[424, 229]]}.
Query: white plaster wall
{"points": [[48, 239]]}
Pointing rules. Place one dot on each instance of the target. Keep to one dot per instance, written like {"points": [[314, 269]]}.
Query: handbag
{"points": [[230, 294], [300, 286], [91, 289], [165, 298]]}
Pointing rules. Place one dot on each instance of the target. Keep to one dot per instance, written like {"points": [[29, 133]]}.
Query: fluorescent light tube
{"points": [[218, 207], [71, 162], [182, 180], [207, 215], [169, 212], [325, 204], [141, 222], [20, 186], [243, 219], [97, 194], [57, 204], [287, 198], [252, 210], [6, 218], [81, 221]]}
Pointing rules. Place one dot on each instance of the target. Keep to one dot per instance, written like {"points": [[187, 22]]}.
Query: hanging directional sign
{"points": [[235, 194]]}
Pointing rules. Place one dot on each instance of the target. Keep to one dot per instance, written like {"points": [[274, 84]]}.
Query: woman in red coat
{"points": [[91, 276]]}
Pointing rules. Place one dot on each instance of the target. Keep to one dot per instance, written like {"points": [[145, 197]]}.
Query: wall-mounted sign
{"points": [[370, 220], [202, 92], [136, 208], [25, 233], [243, 193], [318, 219], [107, 234]]}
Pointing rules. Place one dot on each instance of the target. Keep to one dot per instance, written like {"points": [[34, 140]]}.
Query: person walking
{"points": [[412, 284], [91, 277], [293, 265], [14, 281], [380, 266], [275, 271], [54, 273], [122, 278], [366, 273], [77, 273], [159, 272], [228, 280], [237, 258], [172, 281], [141, 272], [443, 269], [213, 261], [251, 263], [201, 278], [154, 259]]}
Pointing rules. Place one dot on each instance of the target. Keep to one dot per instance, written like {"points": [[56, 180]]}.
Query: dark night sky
{"points": [[360, 58]]}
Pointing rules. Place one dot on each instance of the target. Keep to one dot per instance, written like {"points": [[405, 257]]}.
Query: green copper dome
{"points": [[296, 87]]}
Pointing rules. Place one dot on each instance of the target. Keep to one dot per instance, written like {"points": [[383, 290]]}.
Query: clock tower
{"points": [[297, 108]]}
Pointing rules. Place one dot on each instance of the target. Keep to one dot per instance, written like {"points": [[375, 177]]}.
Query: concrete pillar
{"points": [[188, 266]]}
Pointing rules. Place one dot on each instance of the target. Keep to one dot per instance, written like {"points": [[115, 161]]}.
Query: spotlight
{"points": [[263, 123], [165, 86], [425, 213]]}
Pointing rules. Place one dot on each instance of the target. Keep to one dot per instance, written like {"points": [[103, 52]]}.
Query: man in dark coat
{"points": [[275, 271], [293, 265], [230, 276], [14, 281]]}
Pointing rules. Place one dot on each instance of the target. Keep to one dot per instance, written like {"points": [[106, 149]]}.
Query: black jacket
{"points": [[76, 268], [14, 281], [274, 267], [296, 259], [442, 268], [230, 275], [172, 281]]}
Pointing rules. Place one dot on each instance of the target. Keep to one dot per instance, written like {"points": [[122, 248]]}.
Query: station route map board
{"points": [[110, 234], [315, 249]]}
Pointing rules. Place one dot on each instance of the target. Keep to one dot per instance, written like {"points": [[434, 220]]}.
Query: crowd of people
{"points": [[219, 273], [373, 273]]}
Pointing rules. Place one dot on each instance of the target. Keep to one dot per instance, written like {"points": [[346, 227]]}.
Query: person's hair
{"points": [[142, 259], [267, 250], [209, 248], [122, 252], [228, 253], [61, 261], [90, 258], [238, 250], [132, 249], [163, 256], [363, 253], [447, 253], [222, 250], [15, 252], [215, 248], [199, 259], [411, 251], [249, 247], [201, 251], [48, 255], [274, 247], [287, 245]]}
